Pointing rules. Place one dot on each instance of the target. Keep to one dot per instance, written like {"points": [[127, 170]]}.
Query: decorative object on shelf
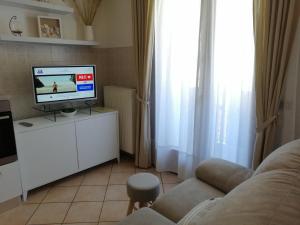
{"points": [[14, 26], [49, 27], [89, 33], [87, 10]]}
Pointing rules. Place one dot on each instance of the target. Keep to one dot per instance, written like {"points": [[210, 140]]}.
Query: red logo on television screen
{"points": [[84, 77]]}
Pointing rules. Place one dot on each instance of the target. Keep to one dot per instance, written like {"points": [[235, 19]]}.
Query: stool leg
{"points": [[142, 204], [130, 207]]}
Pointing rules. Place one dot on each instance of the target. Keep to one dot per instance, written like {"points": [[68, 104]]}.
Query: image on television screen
{"points": [[64, 83], [55, 84]]}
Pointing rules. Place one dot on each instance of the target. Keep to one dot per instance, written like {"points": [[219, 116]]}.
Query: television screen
{"points": [[64, 83]]}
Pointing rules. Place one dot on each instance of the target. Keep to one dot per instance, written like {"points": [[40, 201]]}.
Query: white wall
{"points": [[113, 31], [72, 26], [113, 24]]}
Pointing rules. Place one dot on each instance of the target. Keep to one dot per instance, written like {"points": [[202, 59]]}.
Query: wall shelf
{"points": [[40, 6], [52, 41]]}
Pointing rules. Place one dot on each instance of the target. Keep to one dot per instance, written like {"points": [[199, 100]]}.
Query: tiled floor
{"points": [[94, 197]]}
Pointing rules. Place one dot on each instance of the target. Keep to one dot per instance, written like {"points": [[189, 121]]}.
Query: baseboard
{"points": [[10, 204]]}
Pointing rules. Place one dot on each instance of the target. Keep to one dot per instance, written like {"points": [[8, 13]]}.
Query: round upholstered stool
{"points": [[142, 188]]}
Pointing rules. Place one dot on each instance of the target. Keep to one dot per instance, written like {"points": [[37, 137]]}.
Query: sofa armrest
{"points": [[146, 216], [222, 174]]}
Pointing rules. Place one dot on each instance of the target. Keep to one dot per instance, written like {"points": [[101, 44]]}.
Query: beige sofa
{"points": [[224, 193]]}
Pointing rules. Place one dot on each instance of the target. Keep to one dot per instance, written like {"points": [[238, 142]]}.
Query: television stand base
{"points": [[52, 112]]}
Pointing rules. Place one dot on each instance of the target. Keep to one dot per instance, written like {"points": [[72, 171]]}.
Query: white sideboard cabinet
{"points": [[49, 150], [96, 144], [10, 185]]}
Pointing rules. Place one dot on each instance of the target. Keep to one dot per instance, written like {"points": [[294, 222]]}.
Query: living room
{"points": [[149, 112]]}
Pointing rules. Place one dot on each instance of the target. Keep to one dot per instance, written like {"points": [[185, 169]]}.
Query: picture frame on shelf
{"points": [[49, 27]]}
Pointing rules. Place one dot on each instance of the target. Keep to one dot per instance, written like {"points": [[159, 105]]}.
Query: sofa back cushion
{"points": [[222, 174], [269, 198], [285, 157]]}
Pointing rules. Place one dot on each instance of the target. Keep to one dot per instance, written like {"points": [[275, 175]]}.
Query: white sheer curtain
{"points": [[233, 112], [176, 56], [204, 94]]}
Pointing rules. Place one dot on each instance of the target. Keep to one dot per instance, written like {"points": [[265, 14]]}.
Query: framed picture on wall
{"points": [[49, 27]]}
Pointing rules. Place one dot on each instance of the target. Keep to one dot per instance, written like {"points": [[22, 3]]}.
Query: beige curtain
{"points": [[143, 27], [273, 28], [87, 10]]}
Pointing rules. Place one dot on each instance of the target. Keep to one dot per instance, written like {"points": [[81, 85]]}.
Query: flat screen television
{"points": [[53, 84]]}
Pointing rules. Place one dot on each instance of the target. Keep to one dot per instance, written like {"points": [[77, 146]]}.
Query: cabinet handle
{"points": [[4, 117]]}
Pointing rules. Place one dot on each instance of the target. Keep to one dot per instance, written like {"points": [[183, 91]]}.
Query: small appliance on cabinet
{"points": [[8, 151], [10, 183]]}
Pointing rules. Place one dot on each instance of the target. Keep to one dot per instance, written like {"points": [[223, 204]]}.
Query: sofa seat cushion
{"points": [[146, 216], [177, 202], [285, 157], [271, 198], [198, 211]]}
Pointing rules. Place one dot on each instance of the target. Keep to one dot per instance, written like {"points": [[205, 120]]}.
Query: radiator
{"points": [[123, 100]]}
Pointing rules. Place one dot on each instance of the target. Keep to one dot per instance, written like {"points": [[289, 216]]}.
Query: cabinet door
{"points": [[47, 154], [97, 140], [10, 185]]}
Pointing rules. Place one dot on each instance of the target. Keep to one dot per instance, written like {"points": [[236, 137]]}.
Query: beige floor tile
{"points": [[84, 212], [37, 196], [168, 187], [81, 223], [61, 194], [119, 178], [150, 170], [74, 180], [95, 178], [90, 194], [116, 192], [18, 216], [169, 178], [123, 166], [108, 223], [114, 210], [102, 169], [126, 158], [161, 189], [50, 213]]}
